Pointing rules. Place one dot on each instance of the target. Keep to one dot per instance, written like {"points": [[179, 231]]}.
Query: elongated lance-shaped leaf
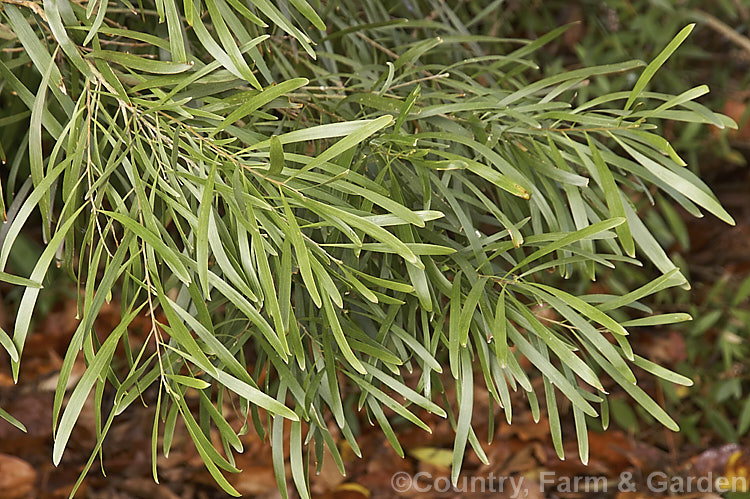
{"points": [[254, 102], [465, 410], [30, 295], [202, 233], [35, 147], [302, 254], [614, 201], [84, 386], [653, 66], [454, 338], [349, 141], [276, 156], [569, 239]]}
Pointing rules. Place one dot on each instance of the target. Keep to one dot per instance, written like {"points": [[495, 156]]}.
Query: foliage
{"points": [[715, 54], [715, 353], [331, 209]]}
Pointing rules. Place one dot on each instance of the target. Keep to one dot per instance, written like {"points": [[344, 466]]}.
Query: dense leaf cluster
{"points": [[331, 209]]}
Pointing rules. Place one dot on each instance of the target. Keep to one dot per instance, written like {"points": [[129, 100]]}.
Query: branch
{"points": [[33, 6], [718, 25]]}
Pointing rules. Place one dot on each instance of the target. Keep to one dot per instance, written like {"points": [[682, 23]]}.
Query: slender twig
{"points": [[426, 78], [370, 41], [33, 6], [720, 26]]}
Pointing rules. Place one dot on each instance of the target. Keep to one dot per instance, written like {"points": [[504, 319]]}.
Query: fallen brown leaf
{"points": [[17, 477]]}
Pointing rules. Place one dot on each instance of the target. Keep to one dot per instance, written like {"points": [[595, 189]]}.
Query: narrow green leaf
{"points": [[196, 383], [295, 460], [277, 451], [36, 161], [201, 235], [348, 142], [170, 256], [586, 309], [30, 295], [303, 256], [174, 27], [338, 334], [614, 201], [19, 281], [661, 372], [306, 10], [658, 320], [454, 343], [10, 419], [276, 156], [465, 410], [8, 345], [53, 8], [81, 392], [500, 330], [638, 394], [207, 452], [467, 312], [569, 239], [141, 63], [256, 101], [654, 65]]}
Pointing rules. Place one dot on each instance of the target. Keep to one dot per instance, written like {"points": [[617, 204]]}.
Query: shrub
{"points": [[330, 210]]}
